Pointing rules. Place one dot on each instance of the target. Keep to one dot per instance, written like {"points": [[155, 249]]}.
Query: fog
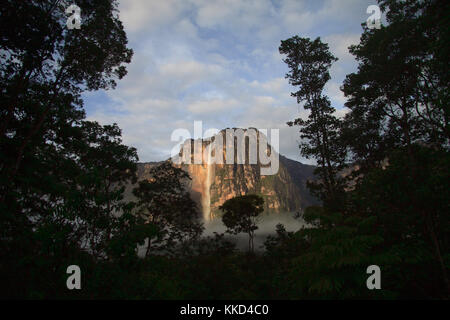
{"points": [[266, 226]]}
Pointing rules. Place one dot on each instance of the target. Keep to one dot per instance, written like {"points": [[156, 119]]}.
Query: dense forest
{"points": [[63, 177]]}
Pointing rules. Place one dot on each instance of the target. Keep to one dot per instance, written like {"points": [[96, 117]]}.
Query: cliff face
{"points": [[281, 192], [212, 184]]}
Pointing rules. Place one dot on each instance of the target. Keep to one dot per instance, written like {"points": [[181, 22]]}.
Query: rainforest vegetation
{"points": [[62, 177]]}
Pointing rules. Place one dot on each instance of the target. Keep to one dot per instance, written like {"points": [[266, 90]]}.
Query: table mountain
{"points": [[213, 184]]}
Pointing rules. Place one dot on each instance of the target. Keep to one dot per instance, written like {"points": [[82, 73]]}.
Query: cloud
{"points": [[339, 44], [139, 14], [217, 61], [212, 106]]}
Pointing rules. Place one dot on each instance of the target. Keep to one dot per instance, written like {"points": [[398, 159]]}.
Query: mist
{"points": [[266, 226]]}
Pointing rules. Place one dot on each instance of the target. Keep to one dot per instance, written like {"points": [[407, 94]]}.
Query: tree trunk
{"points": [[147, 252], [37, 126], [250, 242]]}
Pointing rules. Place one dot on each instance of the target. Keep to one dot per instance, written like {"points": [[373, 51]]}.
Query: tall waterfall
{"points": [[206, 199]]}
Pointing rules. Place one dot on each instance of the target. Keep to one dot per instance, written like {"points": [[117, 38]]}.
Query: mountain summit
{"points": [[214, 183]]}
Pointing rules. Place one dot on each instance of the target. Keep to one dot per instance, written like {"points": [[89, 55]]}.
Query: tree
{"points": [[69, 209], [309, 62], [411, 214], [400, 89], [333, 256], [398, 101], [240, 215], [61, 177], [164, 202], [105, 167], [45, 67], [396, 134]]}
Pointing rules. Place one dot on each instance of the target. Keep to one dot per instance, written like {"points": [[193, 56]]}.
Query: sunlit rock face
{"points": [[214, 183]]}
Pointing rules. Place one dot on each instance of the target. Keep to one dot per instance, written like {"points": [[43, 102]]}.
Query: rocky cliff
{"points": [[213, 183]]}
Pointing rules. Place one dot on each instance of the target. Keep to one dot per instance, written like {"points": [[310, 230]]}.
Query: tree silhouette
{"points": [[164, 202], [309, 62], [240, 215]]}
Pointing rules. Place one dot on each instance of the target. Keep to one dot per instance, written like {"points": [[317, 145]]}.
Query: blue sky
{"points": [[217, 61]]}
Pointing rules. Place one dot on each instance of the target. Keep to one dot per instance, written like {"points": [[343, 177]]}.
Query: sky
{"points": [[217, 61]]}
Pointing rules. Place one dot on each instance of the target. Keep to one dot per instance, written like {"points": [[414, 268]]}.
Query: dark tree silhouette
{"points": [[309, 62], [240, 215], [164, 202]]}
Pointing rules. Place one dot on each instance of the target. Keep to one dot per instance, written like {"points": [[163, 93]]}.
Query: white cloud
{"points": [[139, 14], [218, 61], [335, 94], [212, 106], [188, 70], [339, 44]]}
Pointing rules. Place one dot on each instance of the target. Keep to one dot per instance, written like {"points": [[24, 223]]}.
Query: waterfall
{"points": [[206, 199]]}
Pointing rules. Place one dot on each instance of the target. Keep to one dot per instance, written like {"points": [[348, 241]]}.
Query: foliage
{"points": [[62, 178], [309, 62], [164, 202], [240, 215]]}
